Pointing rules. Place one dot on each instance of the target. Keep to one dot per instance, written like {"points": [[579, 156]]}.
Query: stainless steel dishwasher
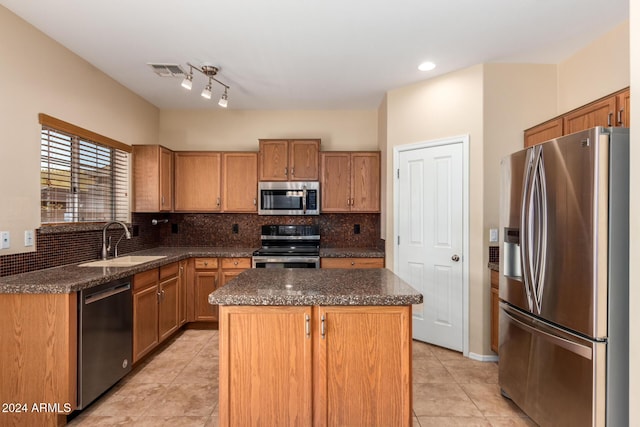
{"points": [[105, 338]]}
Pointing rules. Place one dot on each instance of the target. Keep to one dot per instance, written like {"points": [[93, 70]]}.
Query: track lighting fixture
{"points": [[223, 99], [209, 71]]}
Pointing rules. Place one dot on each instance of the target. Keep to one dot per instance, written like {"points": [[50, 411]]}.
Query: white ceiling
{"points": [[311, 54]]}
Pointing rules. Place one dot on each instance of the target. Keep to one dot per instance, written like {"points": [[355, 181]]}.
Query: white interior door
{"points": [[430, 239]]}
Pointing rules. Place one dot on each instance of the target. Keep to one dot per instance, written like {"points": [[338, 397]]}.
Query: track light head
{"points": [[187, 83], [206, 92], [224, 100]]}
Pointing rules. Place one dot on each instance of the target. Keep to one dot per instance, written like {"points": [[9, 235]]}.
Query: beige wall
{"points": [[37, 75], [241, 129], [634, 279], [602, 67], [384, 154]]}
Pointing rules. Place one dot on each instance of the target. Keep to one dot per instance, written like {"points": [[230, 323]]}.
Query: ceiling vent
{"points": [[167, 70]]}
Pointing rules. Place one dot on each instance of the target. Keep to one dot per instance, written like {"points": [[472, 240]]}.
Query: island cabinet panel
{"points": [[265, 366], [38, 356], [363, 366], [197, 182]]}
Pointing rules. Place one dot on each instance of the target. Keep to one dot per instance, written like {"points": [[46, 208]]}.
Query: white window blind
{"points": [[82, 180]]}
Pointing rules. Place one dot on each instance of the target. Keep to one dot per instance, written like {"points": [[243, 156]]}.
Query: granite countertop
{"points": [[71, 278], [351, 253], [257, 287]]}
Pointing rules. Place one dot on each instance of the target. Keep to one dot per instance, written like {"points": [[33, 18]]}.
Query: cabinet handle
{"points": [[218, 202], [162, 294], [348, 202], [162, 202], [620, 111], [254, 201], [307, 325], [293, 171], [609, 119], [322, 327], [285, 171], [159, 294]]}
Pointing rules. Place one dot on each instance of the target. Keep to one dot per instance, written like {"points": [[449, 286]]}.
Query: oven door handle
{"points": [[304, 199]]}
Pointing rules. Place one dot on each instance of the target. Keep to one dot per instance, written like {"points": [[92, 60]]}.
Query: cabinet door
{"points": [[197, 182], [145, 321], [169, 308], [205, 283], [335, 181], [182, 292], [599, 113], [303, 160], [365, 182], [273, 345], [240, 182], [543, 132], [152, 178], [623, 107], [364, 366], [273, 160]]}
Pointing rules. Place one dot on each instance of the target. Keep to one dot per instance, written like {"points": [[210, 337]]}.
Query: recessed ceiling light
{"points": [[426, 66]]}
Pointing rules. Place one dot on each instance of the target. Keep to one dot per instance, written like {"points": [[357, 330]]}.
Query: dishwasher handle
{"points": [[89, 299]]}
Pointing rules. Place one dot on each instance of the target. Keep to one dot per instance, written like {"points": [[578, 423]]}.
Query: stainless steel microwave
{"points": [[289, 198]]}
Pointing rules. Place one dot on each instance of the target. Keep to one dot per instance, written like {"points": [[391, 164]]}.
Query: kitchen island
{"points": [[302, 347]]}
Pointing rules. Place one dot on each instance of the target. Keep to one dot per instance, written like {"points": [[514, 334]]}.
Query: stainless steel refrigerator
{"points": [[564, 282]]}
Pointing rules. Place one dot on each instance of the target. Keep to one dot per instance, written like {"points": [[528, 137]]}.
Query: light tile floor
{"points": [[178, 386]]}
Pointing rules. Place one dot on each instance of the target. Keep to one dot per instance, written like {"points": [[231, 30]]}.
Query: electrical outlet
{"points": [[493, 235], [174, 228], [5, 240], [234, 228], [356, 228], [28, 237]]}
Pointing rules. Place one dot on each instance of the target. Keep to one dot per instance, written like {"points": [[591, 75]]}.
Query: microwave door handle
{"points": [[304, 199]]}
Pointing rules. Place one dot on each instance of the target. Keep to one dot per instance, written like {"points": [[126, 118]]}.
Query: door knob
{"points": [[455, 258]]}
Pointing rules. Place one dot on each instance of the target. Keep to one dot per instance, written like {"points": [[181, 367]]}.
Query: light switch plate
{"points": [[28, 237], [493, 235], [5, 240]]}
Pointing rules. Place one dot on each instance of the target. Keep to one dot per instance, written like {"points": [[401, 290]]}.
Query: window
{"points": [[82, 180]]}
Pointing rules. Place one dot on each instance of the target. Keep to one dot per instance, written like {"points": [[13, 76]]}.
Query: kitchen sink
{"points": [[123, 261]]}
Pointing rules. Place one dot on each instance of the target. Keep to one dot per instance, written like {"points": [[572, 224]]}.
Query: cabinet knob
{"points": [[353, 263], [206, 263], [235, 262]]}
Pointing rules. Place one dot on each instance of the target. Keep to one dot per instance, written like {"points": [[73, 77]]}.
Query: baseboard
{"points": [[483, 357]]}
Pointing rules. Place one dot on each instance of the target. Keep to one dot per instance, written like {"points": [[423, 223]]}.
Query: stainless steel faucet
{"points": [[106, 248]]}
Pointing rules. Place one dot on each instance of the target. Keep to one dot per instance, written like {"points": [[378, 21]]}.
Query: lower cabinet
{"points": [[156, 307], [320, 366], [495, 311], [351, 262]]}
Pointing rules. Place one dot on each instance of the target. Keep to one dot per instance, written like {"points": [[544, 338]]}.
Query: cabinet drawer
{"points": [[206, 263], [236, 263], [169, 270], [145, 279], [352, 263]]}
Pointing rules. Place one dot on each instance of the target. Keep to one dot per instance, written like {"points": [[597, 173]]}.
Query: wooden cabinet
{"points": [[351, 262], [231, 267], [182, 291], [322, 366], [612, 110], [623, 106], [152, 178], [350, 181], [38, 356], [197, 182], [156, 307], [205, 281], [495, 311], [599, 113], [240, 182], [288, 160], [145, 313], [543, 132]]}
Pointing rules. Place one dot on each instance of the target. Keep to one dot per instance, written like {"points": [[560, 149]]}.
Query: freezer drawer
{"points": [[555, 377]]}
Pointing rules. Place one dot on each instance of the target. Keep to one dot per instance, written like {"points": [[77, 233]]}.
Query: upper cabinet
{"points": [[240, 182], [612, 110], [152, 178], [288, 160], [197, 182], [350, 181]]}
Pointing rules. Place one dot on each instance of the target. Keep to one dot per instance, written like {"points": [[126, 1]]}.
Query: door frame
{"points": [[464, 140]]}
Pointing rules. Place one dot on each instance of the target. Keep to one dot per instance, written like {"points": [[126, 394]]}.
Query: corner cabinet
{"points": [[288, 160], [350, 181], [152, 178], [327, 366]]}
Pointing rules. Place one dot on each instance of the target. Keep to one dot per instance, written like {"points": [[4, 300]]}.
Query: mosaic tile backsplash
{"points": [[56, 247]]}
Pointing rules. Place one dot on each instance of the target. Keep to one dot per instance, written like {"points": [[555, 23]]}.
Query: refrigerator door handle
{"points": [[540, 221], [525, 226], [579, 349]]}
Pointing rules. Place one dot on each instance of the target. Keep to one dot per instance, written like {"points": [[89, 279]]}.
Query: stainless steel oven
{"points": [[289, 198], [288, 246]]}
